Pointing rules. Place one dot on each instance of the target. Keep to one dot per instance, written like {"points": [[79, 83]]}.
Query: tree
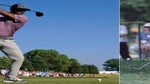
{"points": [[130, 10], [62, 63], [75, 66], [93, 69], [42, 59], [111, 65], [85, 68], [4, 62], [45, 60], [35, 60]]}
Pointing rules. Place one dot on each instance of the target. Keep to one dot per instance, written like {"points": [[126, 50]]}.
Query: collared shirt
{"points": [[123, 30], [9, 27], [144, 36]]}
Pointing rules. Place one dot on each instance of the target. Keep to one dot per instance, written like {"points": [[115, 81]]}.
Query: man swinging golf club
{"points": [[10, 22]]}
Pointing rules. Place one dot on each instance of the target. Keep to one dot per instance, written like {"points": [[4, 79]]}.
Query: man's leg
{"points": [[135, 49], [11, 49], [124, 50]]}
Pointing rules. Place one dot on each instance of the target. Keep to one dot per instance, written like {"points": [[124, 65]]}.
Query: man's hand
{"points": [[7, 14]]}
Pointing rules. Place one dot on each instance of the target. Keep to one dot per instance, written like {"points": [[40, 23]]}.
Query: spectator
{"points": [[4, 71], [123, 43], [145, 42]]}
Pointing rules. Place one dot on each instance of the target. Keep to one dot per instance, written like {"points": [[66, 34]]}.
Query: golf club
{"points": [[140, 68], [37, 13]]}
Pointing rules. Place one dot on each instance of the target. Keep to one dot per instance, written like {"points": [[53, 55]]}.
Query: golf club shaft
{"points": [[143, 66], [5, 5], [34, 11], [37, 12]]}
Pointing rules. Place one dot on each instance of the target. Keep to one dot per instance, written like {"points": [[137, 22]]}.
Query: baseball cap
{"points": [[18, 7], [147, 25]]}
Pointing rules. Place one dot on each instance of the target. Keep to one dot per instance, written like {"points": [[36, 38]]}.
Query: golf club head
{"points": [[39, 14]]}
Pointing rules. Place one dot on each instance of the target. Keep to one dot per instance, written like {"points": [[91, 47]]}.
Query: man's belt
{"points": [[6, 38]]}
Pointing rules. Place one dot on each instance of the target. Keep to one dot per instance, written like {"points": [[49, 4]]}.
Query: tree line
{"points": [[132, 10], [52, 60]]}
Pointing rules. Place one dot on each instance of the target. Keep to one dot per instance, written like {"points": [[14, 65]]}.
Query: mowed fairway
{"points": [[47, 80]]}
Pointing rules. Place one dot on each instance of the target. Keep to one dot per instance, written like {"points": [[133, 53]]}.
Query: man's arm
{"points": [[123, 35], [7, 14]]}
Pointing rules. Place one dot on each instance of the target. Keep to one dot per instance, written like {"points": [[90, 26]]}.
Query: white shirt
{"points": [[123, 30]]}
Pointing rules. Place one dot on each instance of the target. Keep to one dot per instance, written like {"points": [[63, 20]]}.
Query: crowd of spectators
{"points": [[41, 73]]}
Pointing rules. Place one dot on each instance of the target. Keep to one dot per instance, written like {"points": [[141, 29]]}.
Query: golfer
{"points": [[10, 22], [145, 42]]}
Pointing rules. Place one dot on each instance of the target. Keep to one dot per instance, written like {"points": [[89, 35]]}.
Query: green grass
{"points": [[130, 66], [134, 79], [130, 75], [50, 80]]}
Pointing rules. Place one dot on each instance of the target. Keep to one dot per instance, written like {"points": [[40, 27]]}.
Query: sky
{"points": [[86, 30]]}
